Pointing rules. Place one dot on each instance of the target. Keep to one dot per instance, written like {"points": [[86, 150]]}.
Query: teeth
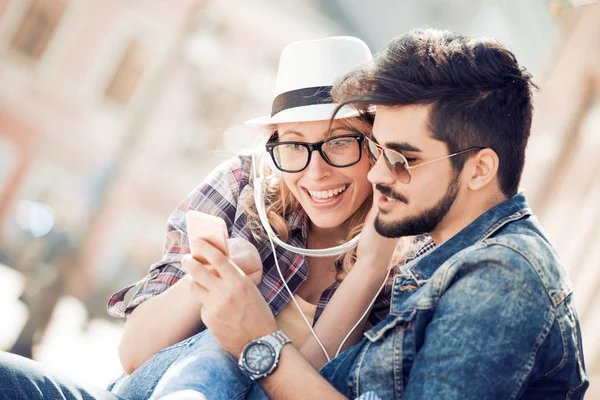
{"points": [[326, 194]]}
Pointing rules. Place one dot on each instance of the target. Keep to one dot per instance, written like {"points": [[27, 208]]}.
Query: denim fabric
{"points": [[198, 363], [141, 383], [208, 369], [25, 379], [487, 314]]}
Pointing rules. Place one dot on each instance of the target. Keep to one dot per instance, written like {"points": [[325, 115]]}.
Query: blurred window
{"points": [[38, 26], [129, 73]]}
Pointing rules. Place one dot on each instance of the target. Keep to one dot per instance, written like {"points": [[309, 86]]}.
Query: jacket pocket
{"points": [[401, 320], [388, 356]]}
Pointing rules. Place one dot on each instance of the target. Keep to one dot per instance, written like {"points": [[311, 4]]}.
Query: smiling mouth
{"points": [[323, 196]]}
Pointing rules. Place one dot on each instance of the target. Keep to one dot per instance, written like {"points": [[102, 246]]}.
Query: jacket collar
{"points": [[483, 227]]}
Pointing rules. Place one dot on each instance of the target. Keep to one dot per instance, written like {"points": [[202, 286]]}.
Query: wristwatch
{"points": [[260, 357]]}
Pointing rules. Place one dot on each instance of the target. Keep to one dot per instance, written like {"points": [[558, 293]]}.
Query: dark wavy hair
{"points": [[477, 92]]}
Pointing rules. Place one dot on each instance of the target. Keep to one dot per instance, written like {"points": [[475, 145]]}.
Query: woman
{"points": [[320, 201]]}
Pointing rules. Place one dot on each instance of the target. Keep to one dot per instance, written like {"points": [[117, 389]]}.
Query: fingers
{"points": [[194, 249], [202, 293], [205, 276], [219, 261]]}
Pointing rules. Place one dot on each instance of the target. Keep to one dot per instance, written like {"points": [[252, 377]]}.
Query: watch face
{"points": [[259, 358]]}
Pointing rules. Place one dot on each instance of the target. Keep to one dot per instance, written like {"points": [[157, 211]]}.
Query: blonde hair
{"points": [[280, 203]]}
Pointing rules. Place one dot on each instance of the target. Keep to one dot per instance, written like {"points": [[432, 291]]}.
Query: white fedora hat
{"points": [[307, 71]]}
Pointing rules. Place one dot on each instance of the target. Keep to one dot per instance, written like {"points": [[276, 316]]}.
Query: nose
{"points": [[317, 168], [380, 173]]}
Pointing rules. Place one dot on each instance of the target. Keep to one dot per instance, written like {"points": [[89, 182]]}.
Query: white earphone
{"points": [[260, 184]]}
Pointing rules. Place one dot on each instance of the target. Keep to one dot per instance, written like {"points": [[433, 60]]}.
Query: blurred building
{"points": [[76, 79], [563, 158], [110, 113]]}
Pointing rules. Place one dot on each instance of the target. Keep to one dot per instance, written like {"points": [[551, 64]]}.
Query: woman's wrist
{"points": [[375, 269]]}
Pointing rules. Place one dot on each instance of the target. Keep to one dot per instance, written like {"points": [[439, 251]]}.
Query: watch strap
{"points": [[277, 340]]}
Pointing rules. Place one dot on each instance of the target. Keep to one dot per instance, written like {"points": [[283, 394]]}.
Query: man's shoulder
{"points": [[537, 254], [516, 258]]}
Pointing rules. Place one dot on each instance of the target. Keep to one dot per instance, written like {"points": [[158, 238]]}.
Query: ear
{"points": [[483, 169]]}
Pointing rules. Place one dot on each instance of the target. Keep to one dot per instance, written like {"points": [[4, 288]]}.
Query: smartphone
{"points": [[208, 227]]}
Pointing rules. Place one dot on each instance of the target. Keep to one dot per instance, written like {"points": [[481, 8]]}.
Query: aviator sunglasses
{"points": [[397, 163]]}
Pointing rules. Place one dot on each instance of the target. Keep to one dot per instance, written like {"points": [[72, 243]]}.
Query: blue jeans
{"points": [[141, 383], [208, 369], [198, 363], [25, 379]]}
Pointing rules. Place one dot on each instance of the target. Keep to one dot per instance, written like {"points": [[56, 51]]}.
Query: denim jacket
{"points": [[488, 314]]}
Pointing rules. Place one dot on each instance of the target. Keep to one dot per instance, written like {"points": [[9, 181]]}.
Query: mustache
{"points": [[388, 192]]}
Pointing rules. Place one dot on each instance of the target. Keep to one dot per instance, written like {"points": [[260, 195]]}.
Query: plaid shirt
{"points": [[224, 194]]}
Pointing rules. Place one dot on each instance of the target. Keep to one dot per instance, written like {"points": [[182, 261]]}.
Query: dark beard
{"points": [[425, 222]]}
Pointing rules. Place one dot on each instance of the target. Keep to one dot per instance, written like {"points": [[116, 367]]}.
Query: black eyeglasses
{"points": [[338, 151], [397, 163]]}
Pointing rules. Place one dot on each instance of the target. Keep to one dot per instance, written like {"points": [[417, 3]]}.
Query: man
{"points": [[489, 313]]}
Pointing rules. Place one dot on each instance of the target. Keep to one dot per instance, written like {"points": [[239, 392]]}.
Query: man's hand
{"points": [[235, 313], [242, 253], [232, 307]]}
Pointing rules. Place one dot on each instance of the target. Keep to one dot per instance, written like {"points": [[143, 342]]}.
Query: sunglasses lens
{"points": [[395, 162], [372, 151]]}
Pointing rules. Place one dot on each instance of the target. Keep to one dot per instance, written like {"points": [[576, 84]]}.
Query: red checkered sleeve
{"points": [[218, 195]]}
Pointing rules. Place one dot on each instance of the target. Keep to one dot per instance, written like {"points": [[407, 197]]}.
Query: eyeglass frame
{"points": [[318, 146], [405, 165]]}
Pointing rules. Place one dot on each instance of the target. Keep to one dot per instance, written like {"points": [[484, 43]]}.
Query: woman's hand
{"points": [[374, 250], [244, 255], [232, 307]]}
